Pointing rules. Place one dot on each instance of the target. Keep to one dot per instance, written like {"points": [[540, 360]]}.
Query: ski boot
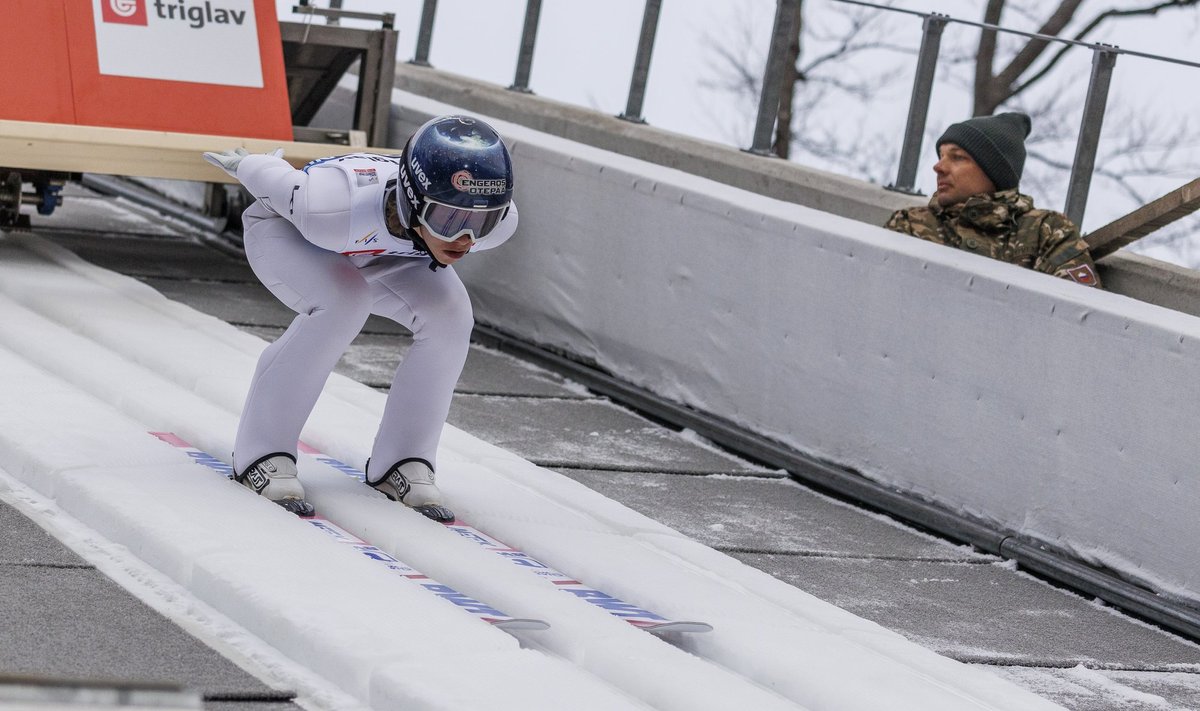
{"points": [[411, 482], [274, 476]]}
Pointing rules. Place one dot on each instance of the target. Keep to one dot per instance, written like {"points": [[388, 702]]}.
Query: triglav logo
{"points": [[199, 41], [198, 16], [134, 12], [126, 12]]}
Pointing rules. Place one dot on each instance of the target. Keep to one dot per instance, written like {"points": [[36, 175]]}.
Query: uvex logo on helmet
{"points": [[419, 173], [464, 182], [125, 12], [409, 193]]}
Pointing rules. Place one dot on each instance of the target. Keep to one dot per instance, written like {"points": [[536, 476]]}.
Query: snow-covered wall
{"points": [[1048, 408]]}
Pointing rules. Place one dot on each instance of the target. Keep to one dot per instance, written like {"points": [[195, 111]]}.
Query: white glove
{"points": [[228, 161]]}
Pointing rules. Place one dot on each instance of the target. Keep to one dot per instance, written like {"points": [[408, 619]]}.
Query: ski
{"points": [[637, 616], [485, 612], [634, 615]]}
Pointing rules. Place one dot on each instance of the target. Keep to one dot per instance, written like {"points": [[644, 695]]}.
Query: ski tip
{"points": [[171, 438], [676, 626], [513, 623]]}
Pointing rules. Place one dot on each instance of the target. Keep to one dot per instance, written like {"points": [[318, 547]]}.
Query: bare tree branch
{"points": [[863, 89], [1034, 47], [1089, 28], [985, 57], [838, 69], [1147, 147], [815, 78], [745, 81]]}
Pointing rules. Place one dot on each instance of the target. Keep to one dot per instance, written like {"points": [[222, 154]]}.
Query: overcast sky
{"points": [[585, 53]]}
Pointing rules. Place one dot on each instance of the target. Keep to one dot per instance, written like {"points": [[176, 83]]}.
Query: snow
{"points": [[175, 602], [97, 361]]}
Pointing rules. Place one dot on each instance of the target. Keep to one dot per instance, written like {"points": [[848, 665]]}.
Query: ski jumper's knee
{"points": [[450, 319]]}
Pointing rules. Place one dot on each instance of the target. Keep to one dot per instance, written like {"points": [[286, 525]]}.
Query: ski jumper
{"points": [[318, 240]]}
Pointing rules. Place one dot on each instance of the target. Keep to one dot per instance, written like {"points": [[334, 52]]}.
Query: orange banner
{"points": [[190, 66]]}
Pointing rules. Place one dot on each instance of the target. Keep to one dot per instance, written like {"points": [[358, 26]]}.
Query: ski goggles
{"points": [[449, 223]]}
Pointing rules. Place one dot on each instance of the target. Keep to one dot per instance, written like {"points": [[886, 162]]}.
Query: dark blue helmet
{"points": [[456, 178]]}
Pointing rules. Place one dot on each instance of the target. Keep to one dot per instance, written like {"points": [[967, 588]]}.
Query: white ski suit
{"points": [[318, 240]]}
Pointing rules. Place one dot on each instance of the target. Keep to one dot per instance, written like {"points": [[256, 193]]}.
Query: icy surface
{"points": [[174, 602], [98, 360], [1116, 690]]}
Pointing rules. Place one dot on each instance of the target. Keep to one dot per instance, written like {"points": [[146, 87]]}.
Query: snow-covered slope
{"points": [[91, 361]]}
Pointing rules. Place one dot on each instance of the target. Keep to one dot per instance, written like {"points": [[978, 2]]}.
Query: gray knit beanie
{"points": [[997, 143]]}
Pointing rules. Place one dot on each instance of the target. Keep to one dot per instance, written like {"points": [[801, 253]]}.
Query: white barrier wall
{"points": [[1052, 409]]}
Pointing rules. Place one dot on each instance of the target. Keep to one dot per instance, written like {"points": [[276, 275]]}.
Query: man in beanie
{"points": [[977, 207]]}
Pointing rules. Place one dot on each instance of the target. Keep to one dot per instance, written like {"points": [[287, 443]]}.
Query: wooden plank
{"points": [[133, 152], [1126, 230]]}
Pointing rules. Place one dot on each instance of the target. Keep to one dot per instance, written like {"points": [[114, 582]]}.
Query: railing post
{"points": [[425, 33], [533, 8], [918, 105], [641, 65], [1103, 61], [787, 13]]}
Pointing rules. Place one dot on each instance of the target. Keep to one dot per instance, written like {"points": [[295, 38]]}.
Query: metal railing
{"points": [[1104, 58], [786, 25], [787, 19]]}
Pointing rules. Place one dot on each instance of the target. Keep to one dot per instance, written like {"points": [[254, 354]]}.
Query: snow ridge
{"points": [[101, 359]]}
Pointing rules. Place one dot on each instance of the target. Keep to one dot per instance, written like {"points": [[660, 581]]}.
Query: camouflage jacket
{"points": [[1005, 226]]}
